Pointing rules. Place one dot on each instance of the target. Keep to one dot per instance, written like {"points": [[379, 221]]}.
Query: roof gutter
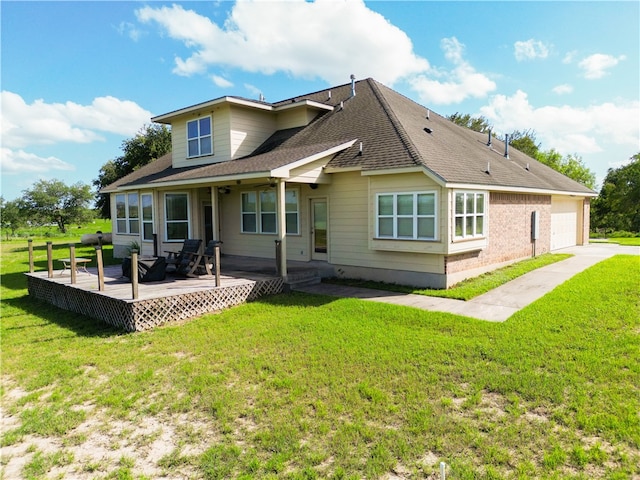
{"points": [[506, 188]]}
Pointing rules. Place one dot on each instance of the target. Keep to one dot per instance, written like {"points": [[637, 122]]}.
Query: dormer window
{"points": [[199, 137]]}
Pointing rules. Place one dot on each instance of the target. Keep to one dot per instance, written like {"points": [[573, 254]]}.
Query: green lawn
{"points": [[302, 387]]}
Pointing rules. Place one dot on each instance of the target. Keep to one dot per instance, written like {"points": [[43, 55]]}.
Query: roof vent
{"points": [[261, 98], [428, 130], [329, 96], [341, 104], [488, 170], [506, 146], [527, 167], [489, 141], [353, 85], [428, 112], [360, 152]]}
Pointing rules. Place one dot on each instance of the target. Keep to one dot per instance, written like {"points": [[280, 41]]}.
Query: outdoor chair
{"points": [[203, 262], [180, 262]]}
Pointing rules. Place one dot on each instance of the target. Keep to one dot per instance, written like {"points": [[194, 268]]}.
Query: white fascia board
{"points": [[500, 188], [167, 117], [309, 103], [418, 169], [283, 172], [197, 181]]}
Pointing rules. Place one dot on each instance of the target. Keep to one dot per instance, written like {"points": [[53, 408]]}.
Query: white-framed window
{"points": [[292, 208], [259, 212], [127, 213], [176, 208], [199, 138], [407, 216], [146, 203], [470, 214]]}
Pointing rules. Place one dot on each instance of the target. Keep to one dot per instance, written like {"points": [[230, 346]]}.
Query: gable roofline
{"points": [[284, 171], [167, 117]]}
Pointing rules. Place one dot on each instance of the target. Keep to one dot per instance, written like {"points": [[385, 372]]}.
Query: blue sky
{"points": [[78, 78]]}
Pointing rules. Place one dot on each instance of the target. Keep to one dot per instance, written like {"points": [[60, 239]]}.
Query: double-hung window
{"points": [[470, 214], [177, 216], [258, 212], [127, 213], [146, 201], [199, 139], [406, 216]]}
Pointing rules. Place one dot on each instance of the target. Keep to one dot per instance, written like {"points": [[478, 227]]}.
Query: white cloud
{"points": [[255, 91], [565, 128], [569, 57], [325, 39], [221, 81], [459, 84], [130, 30], [48, 123], [595, 66], [21, 162], [530, 50], [562, 89]]}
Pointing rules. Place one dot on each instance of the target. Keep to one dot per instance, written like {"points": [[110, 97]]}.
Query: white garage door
{"points": [[565, 213]]}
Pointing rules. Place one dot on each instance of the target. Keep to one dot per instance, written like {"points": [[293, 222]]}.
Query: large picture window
{"points": [[127, 213], [406, 216], [199, 138], [469, 214], [177, 216], [258, 211]]}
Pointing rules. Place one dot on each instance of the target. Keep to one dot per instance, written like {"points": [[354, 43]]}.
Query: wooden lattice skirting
{"points": [[138, 315]]}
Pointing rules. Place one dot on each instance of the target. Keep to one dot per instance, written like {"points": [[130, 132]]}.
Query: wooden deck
{"points": [[174, 299]]}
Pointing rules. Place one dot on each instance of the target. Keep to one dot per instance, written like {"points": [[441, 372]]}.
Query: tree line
{"points": [[52, 202]]}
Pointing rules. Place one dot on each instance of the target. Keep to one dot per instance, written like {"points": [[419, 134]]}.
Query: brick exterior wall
{"points": [[509, 232]]}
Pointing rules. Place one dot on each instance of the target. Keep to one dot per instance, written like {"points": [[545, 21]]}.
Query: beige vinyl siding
{"points": [[221, 138], [295, 117], [256, 244], [310, 173], [351, 207], [249, 129]]}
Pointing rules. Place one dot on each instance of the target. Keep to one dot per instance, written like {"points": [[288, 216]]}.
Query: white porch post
{"points": [[282, 226], [214, 213]]}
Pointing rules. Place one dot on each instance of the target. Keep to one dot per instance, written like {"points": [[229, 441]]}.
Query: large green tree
{"points": [[150, 143], [477, 124], [11, 216], [618, 205], [52, 201], [525, 141]]}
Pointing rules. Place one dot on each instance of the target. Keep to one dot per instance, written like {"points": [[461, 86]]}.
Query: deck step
{"points": [[302, 279]]}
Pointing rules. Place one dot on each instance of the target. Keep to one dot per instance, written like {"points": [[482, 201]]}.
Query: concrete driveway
{"points": [[500, 303]]}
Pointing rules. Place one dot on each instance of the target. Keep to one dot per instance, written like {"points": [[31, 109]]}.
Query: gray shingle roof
{"points": [[391, 128]]}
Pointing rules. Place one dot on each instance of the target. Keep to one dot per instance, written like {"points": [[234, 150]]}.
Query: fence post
{"points": [[216, 252], [72, 258], [100, 268], [30, 255], [134, 273], [49, 260], [278, 256]]}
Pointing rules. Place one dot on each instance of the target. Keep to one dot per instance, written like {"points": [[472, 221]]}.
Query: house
{"points": [[357, 178]]}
